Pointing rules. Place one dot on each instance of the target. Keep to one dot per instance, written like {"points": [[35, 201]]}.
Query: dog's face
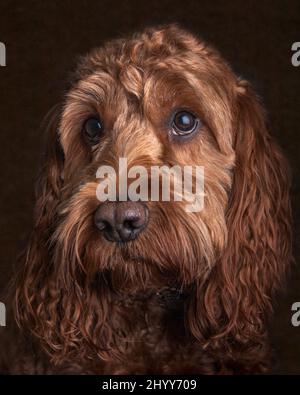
{"points": [[160, 98], [131, 103]]}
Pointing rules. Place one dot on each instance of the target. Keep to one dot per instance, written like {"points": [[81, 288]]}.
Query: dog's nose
{"points": [[121, 221]]}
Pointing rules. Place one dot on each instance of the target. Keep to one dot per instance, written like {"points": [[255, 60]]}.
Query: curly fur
{"points": [[83, 304]]}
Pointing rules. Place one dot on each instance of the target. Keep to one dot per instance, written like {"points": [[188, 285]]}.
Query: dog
{"points": [[135, 287]]}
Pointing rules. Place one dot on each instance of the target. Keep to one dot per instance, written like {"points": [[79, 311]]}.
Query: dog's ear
{"points": [[237, 295], [50, 178], [35, 262], [47, 303]]}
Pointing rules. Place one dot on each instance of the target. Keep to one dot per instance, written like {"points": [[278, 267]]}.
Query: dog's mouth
{"points": [[132, 253], [137, 259], [131, 272]]}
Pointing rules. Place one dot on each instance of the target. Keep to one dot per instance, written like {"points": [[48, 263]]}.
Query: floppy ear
{"points": [[35, 262], [50, 178], [23, 292], [232, 305], [54, 299]]}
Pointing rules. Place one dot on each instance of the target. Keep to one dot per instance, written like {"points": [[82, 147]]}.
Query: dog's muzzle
{"points": [[121, 221]]}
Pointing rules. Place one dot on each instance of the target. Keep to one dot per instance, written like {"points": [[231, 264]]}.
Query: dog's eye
{"points": [[184, 123], [92, 129]]}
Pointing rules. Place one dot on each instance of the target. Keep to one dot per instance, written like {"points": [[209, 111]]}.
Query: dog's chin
{"points": [[138, 264], [132, 268], [135, 273]]}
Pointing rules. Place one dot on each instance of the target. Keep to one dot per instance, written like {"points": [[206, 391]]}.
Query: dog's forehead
{"points": [[153, 74], [161, 79], [145, 50], [145, 58]]}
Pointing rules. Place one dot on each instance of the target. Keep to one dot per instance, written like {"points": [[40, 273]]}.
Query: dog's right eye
{"points": [[92, 130]]}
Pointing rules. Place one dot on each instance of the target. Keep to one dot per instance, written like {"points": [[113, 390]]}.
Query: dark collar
{"points": [[167, 296]]}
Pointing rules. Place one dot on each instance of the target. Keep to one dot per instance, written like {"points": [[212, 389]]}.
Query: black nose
{"points": [[121, 221]]}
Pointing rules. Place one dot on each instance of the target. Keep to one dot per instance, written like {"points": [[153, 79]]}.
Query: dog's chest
{"points": [[155, 339]]}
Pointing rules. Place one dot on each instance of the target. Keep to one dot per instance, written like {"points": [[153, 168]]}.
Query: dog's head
{"points": [[160, 98]]}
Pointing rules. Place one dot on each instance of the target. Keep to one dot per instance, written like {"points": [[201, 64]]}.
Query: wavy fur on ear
{"points": [[51, 287], [237, 295], [32, 282], [26, 292]]}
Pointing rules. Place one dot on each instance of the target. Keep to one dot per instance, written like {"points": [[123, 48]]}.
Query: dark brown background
{"points": [[43, 40]]}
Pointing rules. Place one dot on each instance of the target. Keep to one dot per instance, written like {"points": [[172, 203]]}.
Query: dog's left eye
{"points": [[184, 123], [92, 129]]}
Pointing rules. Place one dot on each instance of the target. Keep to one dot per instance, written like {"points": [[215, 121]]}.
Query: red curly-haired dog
{"points": [[167, 291]]}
